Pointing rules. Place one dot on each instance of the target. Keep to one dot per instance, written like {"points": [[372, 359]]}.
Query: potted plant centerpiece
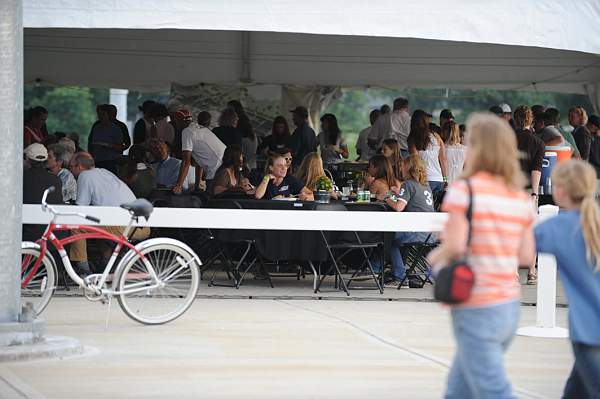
{"points": [[323, 189]]}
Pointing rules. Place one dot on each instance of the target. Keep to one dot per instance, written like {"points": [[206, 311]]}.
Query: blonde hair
{"points": [[492, 148], [415, 168], [523, 117], [581, 112], [578, 178], [451, 131], [310, 170]]}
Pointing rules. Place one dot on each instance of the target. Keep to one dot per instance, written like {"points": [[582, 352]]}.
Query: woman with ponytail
{"points": [[573, 237]]}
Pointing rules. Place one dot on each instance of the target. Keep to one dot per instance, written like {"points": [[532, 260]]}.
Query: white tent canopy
{"points": [[505, 44]]}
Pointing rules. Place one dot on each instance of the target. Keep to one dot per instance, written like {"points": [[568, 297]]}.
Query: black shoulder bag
{"points": [[455, 281]]}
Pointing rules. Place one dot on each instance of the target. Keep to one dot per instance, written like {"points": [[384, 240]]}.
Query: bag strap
{"points": [[469, 212]]}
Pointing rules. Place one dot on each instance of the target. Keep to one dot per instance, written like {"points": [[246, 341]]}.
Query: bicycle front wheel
{"points": [[38, 279], [151, 301]]}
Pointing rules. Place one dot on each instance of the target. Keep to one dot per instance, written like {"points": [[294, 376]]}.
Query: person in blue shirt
{"points": [[573, 237]]}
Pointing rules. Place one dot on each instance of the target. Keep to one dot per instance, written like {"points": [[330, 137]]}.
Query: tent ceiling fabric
{"points": [[151, 59], [507, 44], [558, 24]]}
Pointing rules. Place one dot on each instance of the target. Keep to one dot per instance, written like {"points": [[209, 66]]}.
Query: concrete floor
{"points": [[242, 348]]}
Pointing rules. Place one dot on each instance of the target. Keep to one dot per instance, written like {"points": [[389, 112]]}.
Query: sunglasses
{"points": [[288, 159]]}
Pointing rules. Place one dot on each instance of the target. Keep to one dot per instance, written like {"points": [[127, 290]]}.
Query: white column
{"points": [[11, 158], [545, 325], [118, 97]]}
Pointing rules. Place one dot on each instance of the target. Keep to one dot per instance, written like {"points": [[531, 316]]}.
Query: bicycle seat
{"points": [[139, 207]]}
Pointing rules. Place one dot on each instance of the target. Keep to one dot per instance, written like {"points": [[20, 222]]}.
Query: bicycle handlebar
{"points": [[46, 207], [93, 219]]}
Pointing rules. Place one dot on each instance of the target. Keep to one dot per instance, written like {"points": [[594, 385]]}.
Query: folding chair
{"points": [[415, 257], [367, 246], [242, 242]]}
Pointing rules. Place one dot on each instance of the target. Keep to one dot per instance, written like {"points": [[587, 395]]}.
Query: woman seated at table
{"points": [[311, 170], [414, 195], [228, 178], [278, 184], [391, 150], [380, 177]]}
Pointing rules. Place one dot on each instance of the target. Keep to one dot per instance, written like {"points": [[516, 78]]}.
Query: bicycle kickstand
{"points": [[109, 303]]}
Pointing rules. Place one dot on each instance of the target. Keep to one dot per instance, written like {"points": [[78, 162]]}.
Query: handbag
{"points": [[454, 282]]}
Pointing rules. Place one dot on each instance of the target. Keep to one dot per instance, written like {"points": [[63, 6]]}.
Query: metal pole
{"points": [[11, 158]]}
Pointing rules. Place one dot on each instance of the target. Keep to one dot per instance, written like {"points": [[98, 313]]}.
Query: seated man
{"points": [[99, 187], [36, 179], [277, 183], [166, 167]]}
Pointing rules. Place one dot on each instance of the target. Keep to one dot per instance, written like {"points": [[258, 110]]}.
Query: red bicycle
{"points": [[155, 281]]}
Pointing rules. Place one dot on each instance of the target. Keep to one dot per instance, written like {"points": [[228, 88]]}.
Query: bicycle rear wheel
{"points": [[37, 285], [150, 302]]}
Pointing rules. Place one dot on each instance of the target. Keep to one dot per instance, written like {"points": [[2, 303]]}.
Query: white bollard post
{"points": [[545, 325]]}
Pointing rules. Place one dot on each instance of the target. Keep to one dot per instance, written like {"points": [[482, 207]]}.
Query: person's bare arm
{"points": [[306, 195], [398, 205], [527, 248], [442, 158], [455, 240], [262, 187], [536, 175], [183, 171]]}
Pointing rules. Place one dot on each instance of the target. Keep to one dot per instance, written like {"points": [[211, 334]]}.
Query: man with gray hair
{"points": [[394, 125], [57, 162], [98, 187]]}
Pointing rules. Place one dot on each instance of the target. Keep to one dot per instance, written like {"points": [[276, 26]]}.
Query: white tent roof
{"points": [[507, 44]]}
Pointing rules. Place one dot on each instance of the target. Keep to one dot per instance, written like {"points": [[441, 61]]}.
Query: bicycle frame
{"points": [[90, 232]]}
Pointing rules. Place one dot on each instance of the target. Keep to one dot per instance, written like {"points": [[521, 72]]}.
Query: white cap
{"points": [[36, 152], [505, 108]]}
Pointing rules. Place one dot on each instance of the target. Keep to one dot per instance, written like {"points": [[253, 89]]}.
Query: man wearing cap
{"points": [[507, 114], [394, 125], [304, 140], [36, 179], [201, 145]]}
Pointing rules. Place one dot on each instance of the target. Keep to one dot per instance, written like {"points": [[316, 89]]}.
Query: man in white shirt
{"points": [[395, 125], [97, 187], [199, 143]]}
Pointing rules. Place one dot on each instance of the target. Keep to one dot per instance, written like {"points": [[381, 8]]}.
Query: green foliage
{"points": [[70, 109], [323, 184]]}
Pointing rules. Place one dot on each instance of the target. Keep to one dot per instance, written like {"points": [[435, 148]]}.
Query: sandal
{"points": [[531, 279]]}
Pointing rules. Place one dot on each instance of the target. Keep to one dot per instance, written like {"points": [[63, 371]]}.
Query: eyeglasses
{"points": [[288, 159]]}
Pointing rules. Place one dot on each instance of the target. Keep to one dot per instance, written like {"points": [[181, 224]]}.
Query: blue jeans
{"points": [[584, 381], [482, 336], [436, 186], [401, 238], [398, 267]]}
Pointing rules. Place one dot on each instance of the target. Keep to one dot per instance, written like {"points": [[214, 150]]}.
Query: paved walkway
{"points": [[234, 348]]}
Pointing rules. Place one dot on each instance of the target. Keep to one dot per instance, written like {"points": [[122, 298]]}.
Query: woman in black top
{"points": [[279, 138], [227, 131]]}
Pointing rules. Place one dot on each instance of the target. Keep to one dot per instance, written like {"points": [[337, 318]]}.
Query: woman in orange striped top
{"points": [[502, 239]]}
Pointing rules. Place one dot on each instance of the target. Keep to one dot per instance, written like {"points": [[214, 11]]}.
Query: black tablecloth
{"points": [[293, 245]]}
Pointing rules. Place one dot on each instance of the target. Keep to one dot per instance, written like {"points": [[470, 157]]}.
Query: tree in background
{"points": [[70, 109]]}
